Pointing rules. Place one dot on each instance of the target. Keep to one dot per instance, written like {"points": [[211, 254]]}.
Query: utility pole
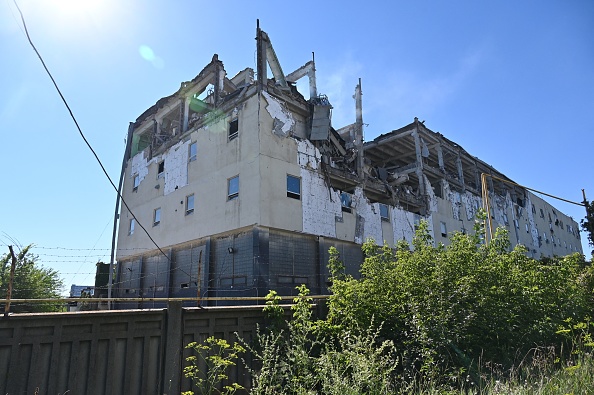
{"points": [[10, 281]]}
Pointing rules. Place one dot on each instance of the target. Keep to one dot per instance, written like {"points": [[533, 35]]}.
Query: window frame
{"points": [[157, 216], [192, 158], [131, 226], [135, 182], [443, 229], [232, 195], [346, 203], [292, 194], [386, 208], [190, 198]]}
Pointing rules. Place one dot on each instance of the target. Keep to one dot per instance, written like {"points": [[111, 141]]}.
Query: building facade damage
{"points": [[244, 184]]}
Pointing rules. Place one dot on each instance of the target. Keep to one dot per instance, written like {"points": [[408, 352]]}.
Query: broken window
{"points": [[444, 231], [541, 213], [437, 190], [161, 169], [141, 141], [136, 182], [193, 150], [157, 216], [345, 201], [232, 188], [233, 129], [189, 204], [132, 226], [384, 212], [533, 209], [293, 187]]}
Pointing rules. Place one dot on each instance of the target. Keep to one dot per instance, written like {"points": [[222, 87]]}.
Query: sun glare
{"points": [[73, 19], [79, 8]]}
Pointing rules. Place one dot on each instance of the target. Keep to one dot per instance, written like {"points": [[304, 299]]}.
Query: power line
{"points": [[81, 132]]}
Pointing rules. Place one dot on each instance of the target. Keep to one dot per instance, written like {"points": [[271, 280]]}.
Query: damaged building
{"points": [[244, 184]]}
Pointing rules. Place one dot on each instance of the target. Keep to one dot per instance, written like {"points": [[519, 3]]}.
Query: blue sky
{"points": [[511, 82]]}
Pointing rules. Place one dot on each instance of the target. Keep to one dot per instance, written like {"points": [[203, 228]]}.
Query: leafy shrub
{"points": [[449, 307], [208, 368]]}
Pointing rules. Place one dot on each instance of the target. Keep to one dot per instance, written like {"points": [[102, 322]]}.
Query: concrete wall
{"points": [[246, 262], [115, 352], [217, 160], [272, 144]]}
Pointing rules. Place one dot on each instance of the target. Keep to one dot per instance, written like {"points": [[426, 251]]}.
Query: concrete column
{"points": [[419, 170], [359, 129], [182, 115], [186, 106], [173, 340], [477, 177], [460, 172]]}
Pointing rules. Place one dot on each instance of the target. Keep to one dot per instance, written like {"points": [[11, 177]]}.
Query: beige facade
{"points": [[223, 155]]}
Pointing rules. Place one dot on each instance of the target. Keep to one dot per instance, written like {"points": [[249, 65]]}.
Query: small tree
{"points": [[31, 281]]}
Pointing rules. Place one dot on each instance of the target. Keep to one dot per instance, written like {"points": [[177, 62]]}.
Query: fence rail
{"points": [[113, 352]]}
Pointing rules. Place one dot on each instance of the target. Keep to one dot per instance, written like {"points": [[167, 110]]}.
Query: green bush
{"points": [[308, 356], [464, 318], [447, 308]]}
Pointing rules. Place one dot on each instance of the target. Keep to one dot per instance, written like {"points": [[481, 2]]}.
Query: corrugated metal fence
{"points": [[113, 352]]}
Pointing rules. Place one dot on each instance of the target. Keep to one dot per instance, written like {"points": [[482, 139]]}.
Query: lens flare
{"points": [[146, 52]]}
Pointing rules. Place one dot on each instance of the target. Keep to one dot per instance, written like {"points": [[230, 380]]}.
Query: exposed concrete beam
{"points": [[308, 69], [419, 158], [266, 55], [372, 144], [359, 129]]}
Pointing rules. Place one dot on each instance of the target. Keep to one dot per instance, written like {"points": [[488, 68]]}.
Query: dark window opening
{"points": [[233, 129], [438, 191], [184, 285], [161, 169]]}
